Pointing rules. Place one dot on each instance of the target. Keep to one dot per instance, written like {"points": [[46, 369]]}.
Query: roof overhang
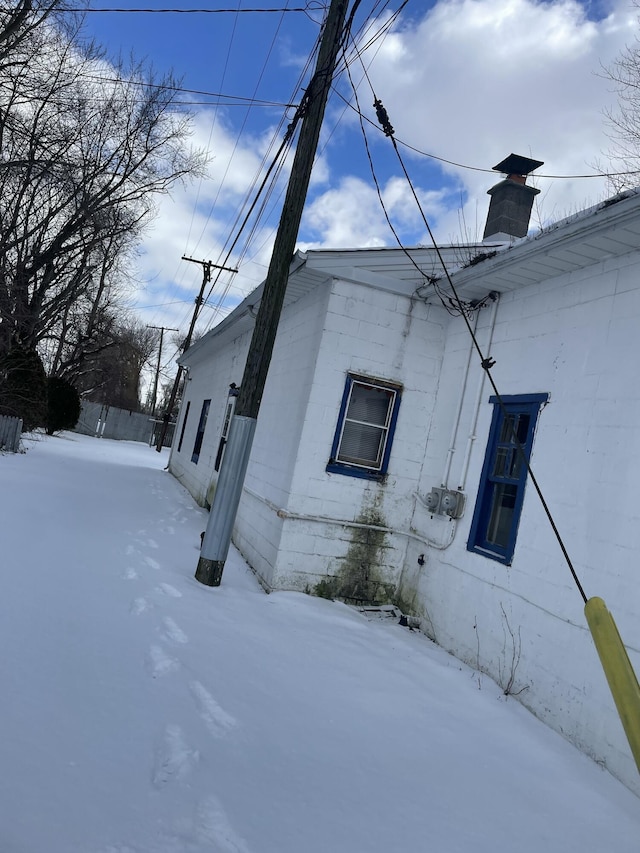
{"points": [[608, 230], [392, 269], [242, 318]]}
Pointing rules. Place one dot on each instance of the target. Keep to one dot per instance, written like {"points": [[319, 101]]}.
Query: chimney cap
{"points": [[516, 164]]}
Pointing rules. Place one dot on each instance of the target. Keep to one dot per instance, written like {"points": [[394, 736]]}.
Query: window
{"points": [[202, 423], [499, 503], [231, 405], [366, 423], [184, 424]]}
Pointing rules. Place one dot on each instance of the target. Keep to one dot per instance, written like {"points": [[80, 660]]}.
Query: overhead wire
{"points": [[247, 200], [249, 240], [466, 166], [192, 249], [200, 183], [486, 363], [274, 183], [253, 101], [243, 124], [267, 186], [374, 176], [214, 122], [175, 11], [275, 164]]}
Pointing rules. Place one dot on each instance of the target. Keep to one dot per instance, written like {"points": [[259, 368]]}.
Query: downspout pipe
{"points": [[456, 421], [476, 408]]}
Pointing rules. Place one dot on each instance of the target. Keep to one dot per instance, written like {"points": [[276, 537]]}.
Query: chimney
{"points": [[511, 200]]}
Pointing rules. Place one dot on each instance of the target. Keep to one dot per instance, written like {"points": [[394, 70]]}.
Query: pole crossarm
{"points": [[207, 266]]}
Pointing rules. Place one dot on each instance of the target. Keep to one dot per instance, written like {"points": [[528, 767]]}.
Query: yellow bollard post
{"points": [[618, 670]]}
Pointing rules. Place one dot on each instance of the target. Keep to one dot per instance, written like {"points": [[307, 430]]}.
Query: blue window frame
{"points": [[494, 526], [202, 423], [366, 424]]}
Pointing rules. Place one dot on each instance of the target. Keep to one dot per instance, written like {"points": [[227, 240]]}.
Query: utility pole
{"points": [[217, 538], [162, 330], [206, 278]]}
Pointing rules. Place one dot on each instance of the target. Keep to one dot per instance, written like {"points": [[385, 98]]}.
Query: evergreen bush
{"points": [[63, 405], [23, 387]]}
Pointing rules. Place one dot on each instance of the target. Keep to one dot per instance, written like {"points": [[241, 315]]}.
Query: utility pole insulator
{"points": [[206, 278]]}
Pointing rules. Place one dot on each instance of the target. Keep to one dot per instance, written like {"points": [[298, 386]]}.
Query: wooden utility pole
{"points": [[162, 330], [234, 464], [206, 278]]}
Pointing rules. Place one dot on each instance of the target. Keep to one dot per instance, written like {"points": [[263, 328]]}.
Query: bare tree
{"points": [[624, 121], [82, 160], [18, 20]]}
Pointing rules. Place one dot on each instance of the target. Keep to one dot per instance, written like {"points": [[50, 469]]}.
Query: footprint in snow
{"points": [[151, 543], [154, 564], [130, 574], [130, 550], [213, 826], [209, 828], [139, 606], [159, 663], [173, 758], [167, 589], [173, 631], [217, 720]]}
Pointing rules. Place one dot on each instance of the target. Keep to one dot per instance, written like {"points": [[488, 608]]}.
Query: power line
{"points": [[466, 165], [250, 103], [486, 363], [189, 11], [173, 88], [213, 127], [271, 175]]}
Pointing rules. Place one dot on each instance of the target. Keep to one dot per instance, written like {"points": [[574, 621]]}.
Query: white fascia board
{"points": [[572, 233], [394, 262], [377, 281]]}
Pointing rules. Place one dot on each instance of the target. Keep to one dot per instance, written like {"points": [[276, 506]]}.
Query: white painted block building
{"points": [[375, 396]]}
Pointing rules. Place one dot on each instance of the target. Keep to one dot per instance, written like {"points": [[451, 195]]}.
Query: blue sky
{"points": [[466, 80]]}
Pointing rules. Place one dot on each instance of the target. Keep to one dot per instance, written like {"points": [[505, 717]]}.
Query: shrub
{"points": [[63, 405], [23, 387]]}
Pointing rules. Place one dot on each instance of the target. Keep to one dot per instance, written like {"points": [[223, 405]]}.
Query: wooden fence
{"points": [[10, 429]]}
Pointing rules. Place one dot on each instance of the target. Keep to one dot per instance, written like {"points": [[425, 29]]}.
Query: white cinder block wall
{"points": [[210, 374], [577, 338], [380, 335], [282, 412]]}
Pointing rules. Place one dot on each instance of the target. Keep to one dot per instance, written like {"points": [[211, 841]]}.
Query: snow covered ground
{"points": [[141, 712]]}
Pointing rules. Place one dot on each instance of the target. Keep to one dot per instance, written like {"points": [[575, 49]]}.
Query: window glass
{"points": [[184, 424], [202, 423], [231, 405], [501, 517], [366, 422]]}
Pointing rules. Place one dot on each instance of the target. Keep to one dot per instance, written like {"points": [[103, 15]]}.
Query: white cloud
{"points": [[474, 80], [350, 214], [469, 81], [196, 220]]}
